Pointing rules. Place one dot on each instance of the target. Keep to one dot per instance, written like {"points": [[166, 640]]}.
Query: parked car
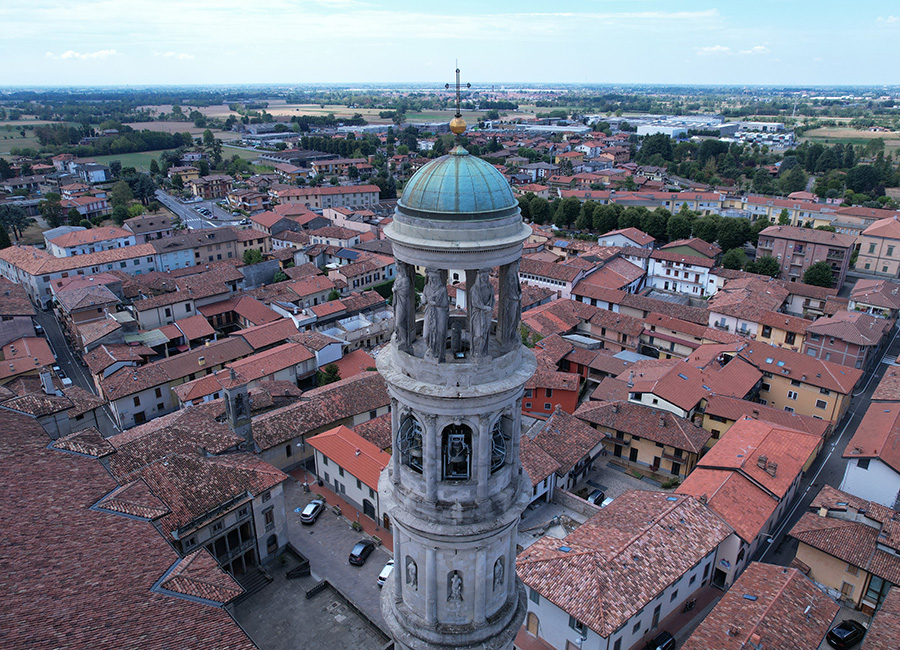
{"points": [[245, 222], [312, 511], [63, 377], [845, 634], [361, 551], [385, 573], [38, 329], [596, 497], [662, 641]]}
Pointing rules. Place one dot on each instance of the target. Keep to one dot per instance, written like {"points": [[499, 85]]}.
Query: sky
{"points": [[145, 42]]}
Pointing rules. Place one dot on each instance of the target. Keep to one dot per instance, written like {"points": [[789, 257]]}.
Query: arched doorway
{"points": [[532, 623], [369, 509], [386, 522]]}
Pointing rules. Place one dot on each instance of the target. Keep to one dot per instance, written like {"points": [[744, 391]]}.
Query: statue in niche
{"points": [[498, 573], [437, 313], [482, 304], [240, 409], [511, 305], [412, 578], [403, 307], [455, 586]]}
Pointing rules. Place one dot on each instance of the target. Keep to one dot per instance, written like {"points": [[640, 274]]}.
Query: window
{"points": [[846, 590], [765, 386], [341, 472], [792, 394], [217, 526], [821, 404], [527, 405], [160, 406], [852, 570], [137, 401], [862, 463], [371, 493], [577, 625], [529, 392], [795, 382], [890, 252], [190, 542], [673, 596], [636, 628], [872, 249], [269, 516], [788, 409], [243, 512], [409, 442], [548, 406], [824, 391], [534, 596], [288, 452], [692, 580], [358, 484], [456, 454], [267, 496], [159, 392], [549, 392], [617, 645], [715, 434]]}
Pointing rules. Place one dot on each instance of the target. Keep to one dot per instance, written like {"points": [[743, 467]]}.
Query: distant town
{"points": [[218, 307]]}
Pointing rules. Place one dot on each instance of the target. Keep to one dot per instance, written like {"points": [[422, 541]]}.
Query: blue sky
{"points": [[101, 42]]}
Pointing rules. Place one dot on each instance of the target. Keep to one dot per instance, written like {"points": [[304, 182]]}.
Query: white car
{"points": [[385, 573]]}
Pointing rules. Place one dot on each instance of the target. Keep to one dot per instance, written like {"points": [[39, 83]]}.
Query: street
{"points": [[828, 469], [192, 219]]}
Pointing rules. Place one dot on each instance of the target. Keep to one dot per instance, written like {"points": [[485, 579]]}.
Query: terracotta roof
{"points": [[554, 271], [770, 606], [353, 453], [888, 228], [377, 431], [27, 354], [310, 285], [14, 300], [566, 439], [88, 442], [852, 327], [637, 236], [320, 408], [748, 298], [770, 455], [261, 336], [810, 235], [103, 356], [704, 248], [884, 630], [888, 388], [39, 404], [90, 236], [195, 327], [535, 461], [646, 423], [733, 408], [315, 341], [82, 400], [44, 596], [620, 559], [878, 435], [787, 363], [675, 310], [555, 380], [245, 306], [354, 363], [683, 258], [200, 576], [879, 293]]}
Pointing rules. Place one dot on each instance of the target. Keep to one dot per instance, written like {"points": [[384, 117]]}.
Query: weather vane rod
{"points": [[458, 125]]}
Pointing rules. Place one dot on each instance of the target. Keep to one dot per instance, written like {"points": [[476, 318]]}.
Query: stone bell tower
{"points": [[455, 488]]}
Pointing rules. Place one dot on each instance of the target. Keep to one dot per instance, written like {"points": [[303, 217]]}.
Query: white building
{"points": [[873, 456], [679, 273]]}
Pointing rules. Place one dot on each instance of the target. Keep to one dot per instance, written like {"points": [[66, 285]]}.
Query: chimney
{"points": [[703, 498], [772, 468], [201, 361], [762, 461], [662, 421], [47, 381], [615, 407]]}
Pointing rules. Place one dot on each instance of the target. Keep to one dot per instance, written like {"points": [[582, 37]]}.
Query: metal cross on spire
{"points": [[458, 87]]}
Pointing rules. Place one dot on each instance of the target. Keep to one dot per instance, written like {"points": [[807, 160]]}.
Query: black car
{"points": [[596, 497], [361, 551], [312, 511], [662, 641], [846, 634]]}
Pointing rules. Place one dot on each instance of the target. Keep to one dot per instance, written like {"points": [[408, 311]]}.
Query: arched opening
{"points": [[386, 522], [532, 623], [456, 446], [409, 443], [368, 509], [498, 446]]}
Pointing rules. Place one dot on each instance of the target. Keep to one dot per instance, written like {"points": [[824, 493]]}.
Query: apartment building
{"points": [[796, 249]]}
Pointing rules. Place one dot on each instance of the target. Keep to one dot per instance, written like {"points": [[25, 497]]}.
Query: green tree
{"points": [[15, 219], [655, 223], [606, 218], [120, 214], [632, 216], [177, 182], [525, 207], [51, 209], [567, 213], [328, 375], [784, 218], [819, 275], [793, 181], [208, 138], [252, 256], [707, 228], [734, 259], [73, 216], [334, 295], [84, 223], [757, 227], [144, 188], [540, 210], [4, 238], [120, 194], [733, 232], [678, 227], [765, 265], [5, 170], [154, 167], [280, 276]]}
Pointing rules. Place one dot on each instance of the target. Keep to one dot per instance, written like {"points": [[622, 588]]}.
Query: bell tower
{"points": [[455, 488]]}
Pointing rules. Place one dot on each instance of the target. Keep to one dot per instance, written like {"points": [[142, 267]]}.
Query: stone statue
{"points": [[437, 313], [240, 409], [411, 578], [404, 308], [455, 591], [510, 305], [482, 308], [498, 573]]}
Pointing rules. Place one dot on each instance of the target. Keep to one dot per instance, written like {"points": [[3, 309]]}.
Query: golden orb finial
{"points": [[457, 125]]}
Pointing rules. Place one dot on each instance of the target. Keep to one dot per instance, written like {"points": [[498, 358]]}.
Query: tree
{"points": [[5, 170], [51, 209], [203, 167], [793, 181], [120, 214], [4, 238], [177, 182], [280, 276], [863, 179], [757, 227], [632, 216], [334, 295], [765, 265], [154, 167], [115, 168], [540, 210], [352, 172], [144, 188], [606, 218], [655, 223], [678, 227], [328, 375], [208, 138], [120, 194], [819, 275], [14, 218], [707, 228], [567, 212], [525, 207], [252, 256], [73, 216], [84, 223], [784, 218], [734, 259], [733, 232]]}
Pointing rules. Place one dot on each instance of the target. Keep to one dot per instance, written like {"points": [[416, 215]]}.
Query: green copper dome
{"points": [[457, 187]]}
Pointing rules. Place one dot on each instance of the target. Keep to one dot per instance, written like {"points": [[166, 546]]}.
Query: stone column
{"points": [[395, 457], [431, 586], [483, 457], [431, 461], [399, 571], [404, 307], [480, 584]]}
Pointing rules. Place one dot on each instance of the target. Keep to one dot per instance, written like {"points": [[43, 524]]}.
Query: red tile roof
{"points": [[884, 630], [878, 435], [646, 423], [377, 431], [354, 453], [566, 439], [769, 606], [354, 363], [27, 354]]}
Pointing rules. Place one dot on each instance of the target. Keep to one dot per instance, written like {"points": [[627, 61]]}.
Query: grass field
{"points": [[835, 135], [11, 137], [140, 161]]}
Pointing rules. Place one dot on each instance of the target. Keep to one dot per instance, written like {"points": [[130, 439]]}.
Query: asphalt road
{"points": [[71, 363], [828, 469], [188, 214]]}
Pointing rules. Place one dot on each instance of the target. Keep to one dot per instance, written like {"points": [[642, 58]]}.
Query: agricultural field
{"points": [[140, 160], [228, 152], [843, 135], [11, 137], [181, 127]]}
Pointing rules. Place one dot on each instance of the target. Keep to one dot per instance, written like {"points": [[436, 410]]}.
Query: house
{"points": [[559, 277], [848, 546], [248, 200], [16, 312], [879, 248], [319, 198], [351, 466], [144, 584], [884, 629], [807, 300], [79, 305], [214, 186], [872, 471], [694, 247], [149, 227], [880, 298], [722, 411], [364, 273], [645, 438], [691, 275], [849, 338], [185, 172], [750, 478], [609, 583], [572, 444], [89, 240], [26, 356], [665, 337], [237, 312], [194, 247], [334, 236], [89, 207], [539, 171], [741, 303], [548, 390], [617, 274], [796, 249], [768, 607], [627, 237]]}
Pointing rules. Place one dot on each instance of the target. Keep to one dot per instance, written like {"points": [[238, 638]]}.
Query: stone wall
{"points": [[572, 502]]}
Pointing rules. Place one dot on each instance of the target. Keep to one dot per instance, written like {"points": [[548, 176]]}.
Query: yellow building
{"points": [[721, 412], [782, 330]]}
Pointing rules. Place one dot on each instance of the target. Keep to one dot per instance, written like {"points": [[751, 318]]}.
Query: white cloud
{"points": [[174, 55], [758, 49], [713, 50], [888, 19], [82, 56]]}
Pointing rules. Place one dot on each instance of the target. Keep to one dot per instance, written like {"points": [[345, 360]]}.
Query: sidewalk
{"points": [[348, 510]]}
